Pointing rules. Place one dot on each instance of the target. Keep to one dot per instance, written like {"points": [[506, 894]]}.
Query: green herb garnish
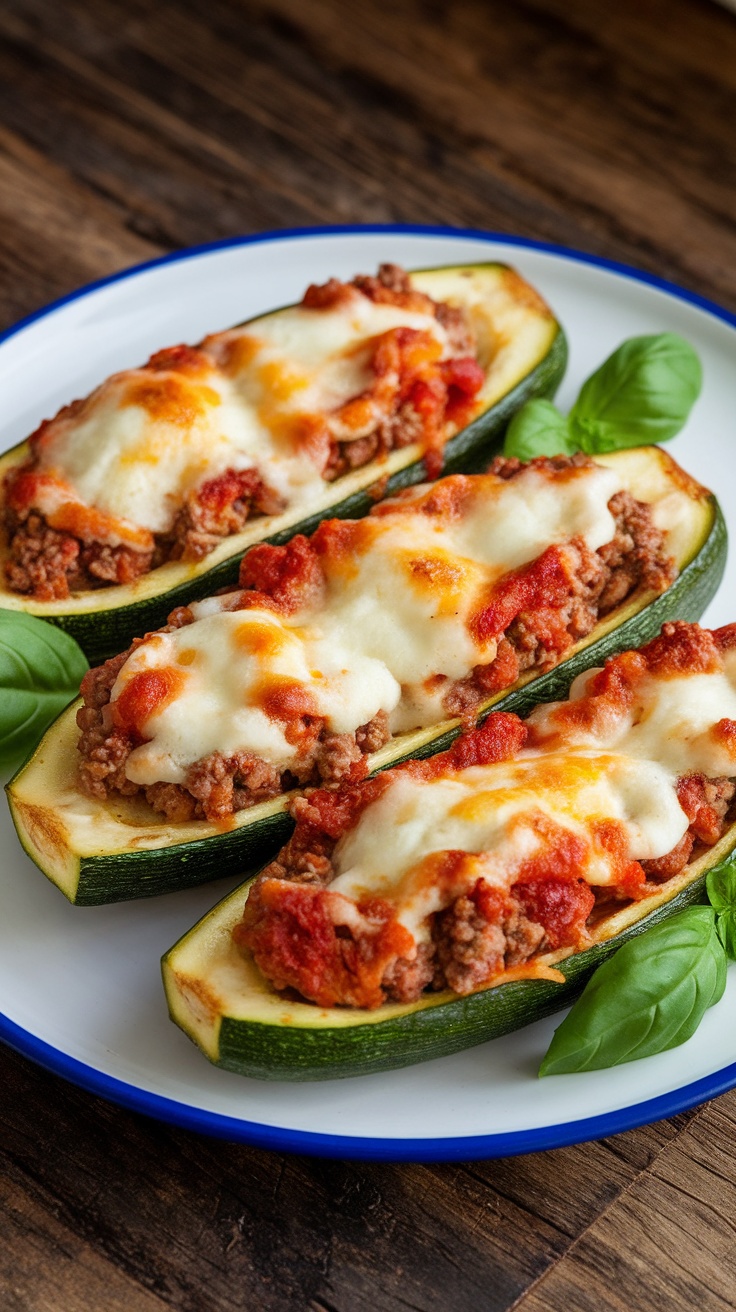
{"points": [[41, 669], [641, 394], [721, 888], [650, 996]]}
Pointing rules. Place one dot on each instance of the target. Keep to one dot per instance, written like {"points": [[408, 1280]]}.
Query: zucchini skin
{"points": [[122, 877], [276, 1045], [119, 877], [105, 632], [297, 1054]]}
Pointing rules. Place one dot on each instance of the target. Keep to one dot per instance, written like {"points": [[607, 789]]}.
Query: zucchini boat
{"points": [[225, 1006], [522, 351], [105, 851], [543, 815]]}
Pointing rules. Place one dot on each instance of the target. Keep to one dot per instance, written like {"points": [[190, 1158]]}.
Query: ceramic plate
{"points": [[80, 989]]}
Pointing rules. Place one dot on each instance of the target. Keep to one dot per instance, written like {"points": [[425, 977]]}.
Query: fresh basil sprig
{"points": [[642, 393], [41, 669], [649, 996]]}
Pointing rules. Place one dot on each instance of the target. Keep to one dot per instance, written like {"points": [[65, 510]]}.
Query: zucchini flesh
{"points": [[118, 849], [523, 351], [216, 994]]}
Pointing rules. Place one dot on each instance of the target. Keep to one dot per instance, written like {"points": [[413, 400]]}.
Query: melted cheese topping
{"points": [[146, 438], [492, 813], [671, 721], [415, 580], [625, 772], [230, 661], [395, 615]]}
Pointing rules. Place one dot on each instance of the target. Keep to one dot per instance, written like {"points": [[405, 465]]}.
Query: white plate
{"points": [[80, 987]]}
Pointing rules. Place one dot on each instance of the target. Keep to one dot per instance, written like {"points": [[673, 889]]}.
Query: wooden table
{"points": [[130, 128]]}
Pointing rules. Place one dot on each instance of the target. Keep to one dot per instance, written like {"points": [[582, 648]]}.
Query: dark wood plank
{"points": [[47, 1266], [214, 1226], [468, 114], [668, 1241], [54, 234]]}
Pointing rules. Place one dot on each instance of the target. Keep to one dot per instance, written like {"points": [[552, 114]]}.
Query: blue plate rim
{"points": [[279, 1138]]}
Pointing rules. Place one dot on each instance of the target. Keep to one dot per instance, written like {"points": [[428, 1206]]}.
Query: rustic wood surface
{"points": [[131, 128]]}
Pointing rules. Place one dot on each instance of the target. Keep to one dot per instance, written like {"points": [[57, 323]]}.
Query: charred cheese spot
{"points": [[262, 641], [282, 381], [444, 579], [233, 352]]}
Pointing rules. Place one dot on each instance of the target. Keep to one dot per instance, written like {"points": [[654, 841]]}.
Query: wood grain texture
{"points": [[211, 1226], [668, 1241], [129, 129]]}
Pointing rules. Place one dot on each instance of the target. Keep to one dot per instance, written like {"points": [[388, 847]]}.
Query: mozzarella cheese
{"points": [[395, 615], [146, 438], [671, 721], [229, 662], [417, 579], [492, 814], [625, 771]]}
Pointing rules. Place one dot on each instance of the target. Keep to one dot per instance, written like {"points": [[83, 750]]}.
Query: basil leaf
{"points": [[642, 393], [538, 429], [41, 669], [650, 996], [726, 926], [721, 887]]}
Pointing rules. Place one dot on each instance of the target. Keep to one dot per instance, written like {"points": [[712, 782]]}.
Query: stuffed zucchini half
{"points": [[109, 847], [145, 495], [450, 901]]}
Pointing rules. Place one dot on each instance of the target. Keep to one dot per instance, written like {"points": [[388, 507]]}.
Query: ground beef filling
{"points": [[476, 938], [50, 564], [219, 785]]}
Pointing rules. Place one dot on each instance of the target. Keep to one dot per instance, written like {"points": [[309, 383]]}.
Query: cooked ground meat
{"points": [[216, 510], [307, 857], [334, 755], [664, 867], [50, 564], [707, 804], [484, 933], [469, 948], [400, 430], [103, 750], [404, 980], [456, 325], [299, 943], [370, 737]]}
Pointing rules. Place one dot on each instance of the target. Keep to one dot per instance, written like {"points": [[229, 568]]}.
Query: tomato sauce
{"points": [[295, 934], [146, 693]]}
